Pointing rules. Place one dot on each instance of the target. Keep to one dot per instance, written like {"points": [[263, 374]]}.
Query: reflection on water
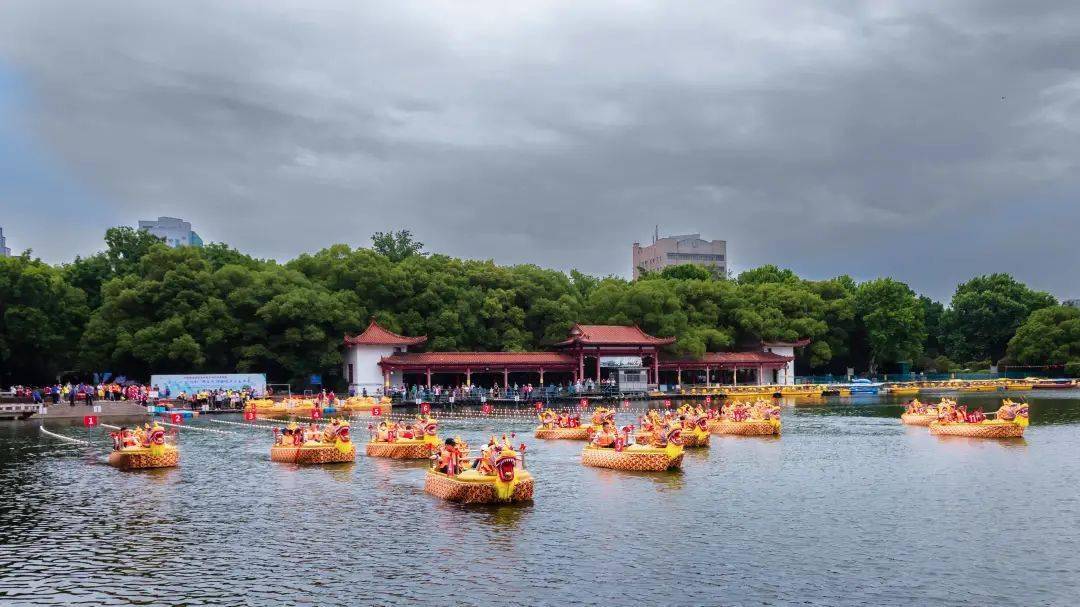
{"points": [[848, 506]]}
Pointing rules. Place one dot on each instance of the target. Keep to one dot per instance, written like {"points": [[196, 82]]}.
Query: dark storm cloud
{"points": [[924, 140]]}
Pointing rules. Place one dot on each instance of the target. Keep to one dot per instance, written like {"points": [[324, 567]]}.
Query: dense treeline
{"points": [[140, 307]]}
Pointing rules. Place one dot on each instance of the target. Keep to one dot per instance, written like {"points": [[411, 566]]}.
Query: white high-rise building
{"points": [[176, 232], [4, 250]]}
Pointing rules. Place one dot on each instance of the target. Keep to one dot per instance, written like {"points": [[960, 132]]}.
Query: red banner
{"points": [[316, 413], [667, 403], [177, 418], [425, 408], [708, 399], [584, 403], [90, 421], [249, 415], [376, 411], [539, 406], [485, 409]]}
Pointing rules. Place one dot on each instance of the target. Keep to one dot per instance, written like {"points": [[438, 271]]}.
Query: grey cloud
{"points": [[929, 141]]}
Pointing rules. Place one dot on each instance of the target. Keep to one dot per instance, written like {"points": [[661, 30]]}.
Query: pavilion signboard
{"points": [[621, 362]]}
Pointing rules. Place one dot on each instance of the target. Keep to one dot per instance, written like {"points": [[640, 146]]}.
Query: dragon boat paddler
{"points": [[563, 425]]}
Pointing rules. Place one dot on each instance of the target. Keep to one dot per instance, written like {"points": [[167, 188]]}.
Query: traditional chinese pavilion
{"points": [[377, 358]]}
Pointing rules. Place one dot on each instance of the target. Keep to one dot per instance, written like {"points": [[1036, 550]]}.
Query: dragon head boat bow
{"points": [[918, 413], [314, 445], [1009, 421], [145, 447], [497, 475]]}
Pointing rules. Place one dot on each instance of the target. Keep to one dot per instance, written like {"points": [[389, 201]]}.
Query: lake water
{"points": [[848, 507]]}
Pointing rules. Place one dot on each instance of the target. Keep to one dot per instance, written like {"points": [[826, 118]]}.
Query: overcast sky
{"points": [[929, 141]]}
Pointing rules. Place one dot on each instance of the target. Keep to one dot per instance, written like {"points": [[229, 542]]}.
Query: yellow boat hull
{"points": [[312, 454], [138, 459], [988, 429], [634, 457], [475, 489]]}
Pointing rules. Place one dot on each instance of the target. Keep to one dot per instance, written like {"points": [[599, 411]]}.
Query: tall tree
{"points": [[892, 320], [396, 246], [41, 317], [985, 313], [1050, 336]]}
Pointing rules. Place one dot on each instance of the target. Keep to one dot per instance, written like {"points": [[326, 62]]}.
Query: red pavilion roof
{"points": [[612, 335], [374, 335]]}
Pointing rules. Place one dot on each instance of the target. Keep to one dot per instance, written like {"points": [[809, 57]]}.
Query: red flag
{"points": [[425, 408], [485, 408], [177, 418], [667, 403], [708, 399], [539, 406], [90, 421], [316, 413], [249, 415], [584, 402], [376, 411], [626, 404]]}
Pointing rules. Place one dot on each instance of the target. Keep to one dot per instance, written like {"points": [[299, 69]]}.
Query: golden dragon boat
{"points": [[1009, 422], [636, 457], [498, 477], [694, 424], [742, 419], [365, 404], [143, 448], [923, 414], [332, 446], [564, 426], [407, 441]]}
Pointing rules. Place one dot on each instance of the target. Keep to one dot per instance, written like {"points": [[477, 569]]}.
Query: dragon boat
{"points": [[1009, 422], [404, 441], [365, 404], [742, 419], [330, 445], [565, 426], [498, 475], [923, 414], [143, 448], [663, 454], [693, 422]]}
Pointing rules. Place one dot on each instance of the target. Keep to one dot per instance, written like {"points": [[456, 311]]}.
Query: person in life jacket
{"points": [[449, 456], [605, 437]]}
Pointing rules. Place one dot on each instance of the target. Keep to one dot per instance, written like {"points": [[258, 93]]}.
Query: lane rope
{"points": [[62, 437], [183, 427]]}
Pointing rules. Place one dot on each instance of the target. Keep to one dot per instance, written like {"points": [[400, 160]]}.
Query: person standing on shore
{"points": [[70, 394]]}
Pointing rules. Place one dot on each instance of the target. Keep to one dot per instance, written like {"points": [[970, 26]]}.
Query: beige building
{"points": [[676, 250]]}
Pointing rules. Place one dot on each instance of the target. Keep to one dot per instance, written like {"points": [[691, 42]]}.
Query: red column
{"points": [[580, 366], [429, 377], [506, 379], [656, 368], [678, 376], [541, 376], [468, 376], [597, 366]]}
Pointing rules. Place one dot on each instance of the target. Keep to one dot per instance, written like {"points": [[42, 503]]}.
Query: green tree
{"points": [[892, 321], [396, 246], [985, 313], [686, 271], [1050, 336], [41, 317]]}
